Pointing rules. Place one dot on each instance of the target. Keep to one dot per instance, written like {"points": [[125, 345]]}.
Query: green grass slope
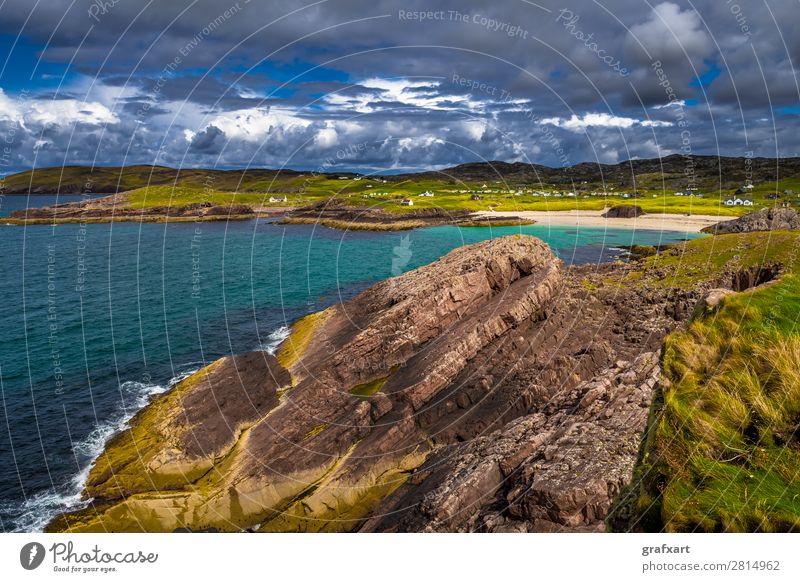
{"points": [[723, 451]]}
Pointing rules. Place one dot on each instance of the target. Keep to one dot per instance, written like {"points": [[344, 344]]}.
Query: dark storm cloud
{"points": [[270, 82], [208, 141]]}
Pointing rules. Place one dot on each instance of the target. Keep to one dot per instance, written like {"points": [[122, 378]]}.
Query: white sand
{"points": [[674, 222]]}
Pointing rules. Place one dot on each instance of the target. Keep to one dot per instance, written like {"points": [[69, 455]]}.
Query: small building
{"points": [[736, 200], [406, 202], [276, 199], [476, 197], [427, 194]]}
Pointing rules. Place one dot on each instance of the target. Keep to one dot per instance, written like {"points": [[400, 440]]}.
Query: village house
{"points": [[737, 200], [406, 202]]}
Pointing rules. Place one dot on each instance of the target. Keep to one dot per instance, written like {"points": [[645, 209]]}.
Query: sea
{"points": [[97, 319]]}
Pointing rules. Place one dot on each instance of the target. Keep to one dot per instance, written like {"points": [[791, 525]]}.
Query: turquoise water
{"points": [[94, 320]]}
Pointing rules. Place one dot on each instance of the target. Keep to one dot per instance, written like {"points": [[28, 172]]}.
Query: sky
{"points": [[392, 86]]}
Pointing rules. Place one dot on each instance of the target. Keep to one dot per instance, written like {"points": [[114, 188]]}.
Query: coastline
{"points": [[594, 218], [576, 218], [615, 397], [160, 218]]}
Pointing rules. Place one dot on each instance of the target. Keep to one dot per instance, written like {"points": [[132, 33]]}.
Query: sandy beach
{"points": [[675, 222]]}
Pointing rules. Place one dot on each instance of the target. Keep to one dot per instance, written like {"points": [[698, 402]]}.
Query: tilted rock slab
{"points": [[315, 439]]}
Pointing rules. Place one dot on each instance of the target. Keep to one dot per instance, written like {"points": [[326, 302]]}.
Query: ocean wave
{"points": [[274, 339], [39, 509]]}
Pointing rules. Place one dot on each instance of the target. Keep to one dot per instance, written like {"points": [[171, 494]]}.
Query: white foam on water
{"points": [[275, 339], [39, 509]]}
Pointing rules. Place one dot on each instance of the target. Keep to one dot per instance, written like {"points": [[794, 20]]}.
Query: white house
{"points": [[427, 194], [738, 201], [281, 199], [406, 202]]}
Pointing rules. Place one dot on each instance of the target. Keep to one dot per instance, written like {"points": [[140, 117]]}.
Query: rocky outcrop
{"points": [[623, 211], [556, 469], [339, 213], [116, 208], [760, 220], [492, 390], [316, 447]]}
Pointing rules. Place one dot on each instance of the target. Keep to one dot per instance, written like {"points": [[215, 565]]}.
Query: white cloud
{"points": [[422, 94], [255, 125], [326, 137], [9, 110], [581, 123], [676, 103], [655, 123], [475, 128], [60, 112], [68, 112]]}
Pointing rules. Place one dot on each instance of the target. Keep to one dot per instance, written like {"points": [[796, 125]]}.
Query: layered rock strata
{"points": [[492, 390]]}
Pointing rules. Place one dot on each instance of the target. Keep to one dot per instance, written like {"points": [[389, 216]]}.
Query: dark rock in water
{"points": [[624, 211], [492, 390], [760, 220]]}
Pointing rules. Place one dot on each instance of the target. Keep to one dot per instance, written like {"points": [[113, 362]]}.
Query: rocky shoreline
{"points": [[332, 213], [493, 390], [759, 221]]}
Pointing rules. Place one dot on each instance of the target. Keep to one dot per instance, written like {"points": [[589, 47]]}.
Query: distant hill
{"points": [[671, 172], [710, 172]]}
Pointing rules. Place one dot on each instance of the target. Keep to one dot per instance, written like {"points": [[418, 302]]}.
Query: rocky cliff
{"points": [[492, 390]]}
